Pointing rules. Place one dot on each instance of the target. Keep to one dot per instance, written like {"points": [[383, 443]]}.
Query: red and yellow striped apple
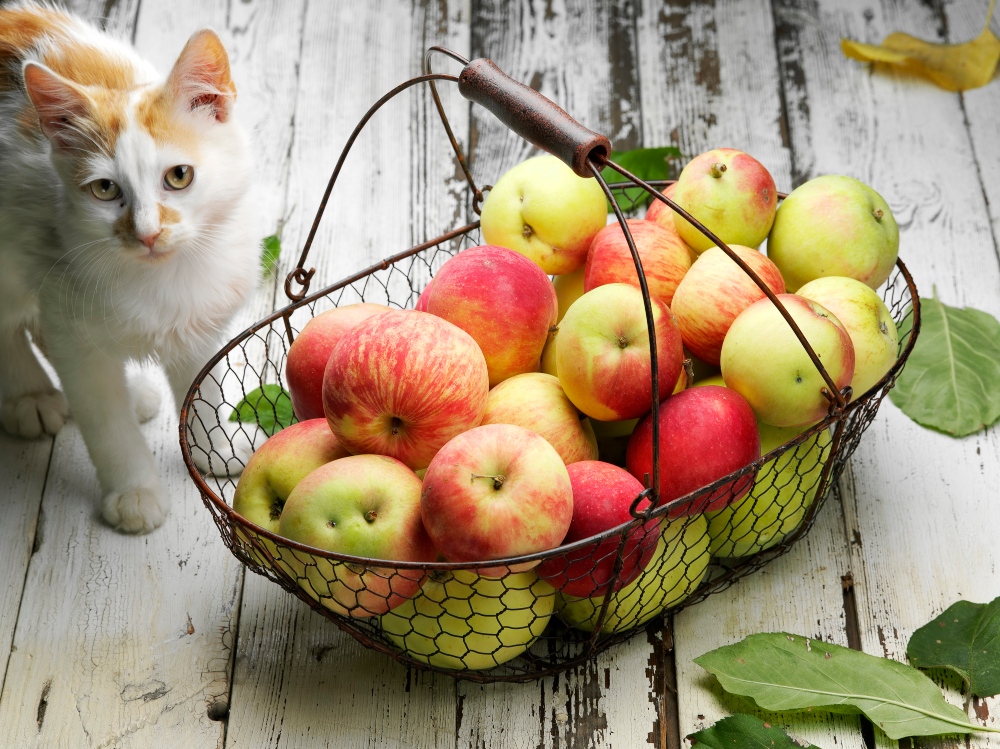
{"points": [[402, 384]]}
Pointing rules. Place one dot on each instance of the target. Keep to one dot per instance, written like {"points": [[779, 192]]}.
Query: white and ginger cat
{"points": [[126, 233]]}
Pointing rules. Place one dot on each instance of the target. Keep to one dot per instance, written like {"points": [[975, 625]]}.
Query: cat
{"points": [[127, 232]]}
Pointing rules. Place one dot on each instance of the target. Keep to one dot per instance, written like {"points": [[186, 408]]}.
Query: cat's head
{"points": [[152, 168]]}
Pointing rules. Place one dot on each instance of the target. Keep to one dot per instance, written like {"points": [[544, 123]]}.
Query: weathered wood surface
{"points": [[117, 641]]}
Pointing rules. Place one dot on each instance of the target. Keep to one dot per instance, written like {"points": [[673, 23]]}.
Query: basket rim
{"points": [[660, 511]]}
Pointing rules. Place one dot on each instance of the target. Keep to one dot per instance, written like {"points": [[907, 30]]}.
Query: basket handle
{"points": [[537, 119]]}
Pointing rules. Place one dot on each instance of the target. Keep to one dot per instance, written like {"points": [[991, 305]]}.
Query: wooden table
{"points": [[162, 641]]}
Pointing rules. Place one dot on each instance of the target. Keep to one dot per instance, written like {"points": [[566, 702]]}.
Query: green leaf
{"points": [[952, 380], [644, 163], [746, 732], [271, 251], [270, 407], [779, 671], [965, 639]]}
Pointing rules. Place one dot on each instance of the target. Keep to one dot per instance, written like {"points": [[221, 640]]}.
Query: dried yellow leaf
{"points": [[954, 67]]}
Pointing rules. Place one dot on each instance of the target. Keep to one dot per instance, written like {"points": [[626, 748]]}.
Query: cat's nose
{"points": [[150, 239]]}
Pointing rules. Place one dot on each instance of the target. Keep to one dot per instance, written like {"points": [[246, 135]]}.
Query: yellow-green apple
{"points": [[460, 620], [569, 288], [425, 295], [403, 383], [309, 352], [665, 258], [713, 380], [602, 352], [503, 300], [764, 361], [602, 496], [276, 468], [714, 292], [731, 193], [544, 211], [834, 226], [868, 322], [706, 433], [496, 491], [548, 361], [536, 401], [677, 568], [785, 488], [363, 506]]}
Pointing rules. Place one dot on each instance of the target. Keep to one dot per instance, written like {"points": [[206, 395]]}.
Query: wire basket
{"points": [[515, 619]]}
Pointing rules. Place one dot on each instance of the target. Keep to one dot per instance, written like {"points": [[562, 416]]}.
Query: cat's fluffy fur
{"points": [[153, 274]]}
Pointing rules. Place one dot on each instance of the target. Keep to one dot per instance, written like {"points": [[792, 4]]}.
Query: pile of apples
{"points": [[509, 414]]}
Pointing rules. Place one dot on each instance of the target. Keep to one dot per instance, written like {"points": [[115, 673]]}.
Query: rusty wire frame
{"points": [[397, 281]]}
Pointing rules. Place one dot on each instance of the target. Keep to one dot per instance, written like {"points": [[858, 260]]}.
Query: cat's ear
{"points": [[201, 77], [60, 104]]}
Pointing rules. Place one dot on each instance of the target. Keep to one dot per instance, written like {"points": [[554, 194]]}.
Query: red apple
{"points": [[713, 294], [663, 215], [308, 354], [602, 352], [665, 258], [363, 506], [496, 491], [425, 295], [503, 300], [706, 433], [602, 495], [402, 384]]}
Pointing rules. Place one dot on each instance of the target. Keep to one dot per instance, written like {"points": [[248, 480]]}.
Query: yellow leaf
{"points": [[955, 67]]}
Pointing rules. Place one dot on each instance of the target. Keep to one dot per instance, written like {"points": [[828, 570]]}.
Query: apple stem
{"points": [[497, 480], [622, 341], [717, 170], [370, 516], [877, 213]]}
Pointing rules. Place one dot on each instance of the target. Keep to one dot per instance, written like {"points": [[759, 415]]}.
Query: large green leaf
{"points": [[779, 671], [952, 380], [745, 732], [644, 163], [270, 407], [965, 639]]}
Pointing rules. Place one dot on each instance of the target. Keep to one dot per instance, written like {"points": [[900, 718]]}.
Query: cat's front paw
{"points": [[34, 414], [226, 449], [139, 509]]}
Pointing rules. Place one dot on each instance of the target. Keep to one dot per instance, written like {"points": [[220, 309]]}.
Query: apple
{"points": [[548, 361], [402, 384], [714, 292], [676, 570], [569, 288], [713, 380], [834, 226], [364, 506], [503, 300], [544, 211], [602, 496], [706, 433], [602, 352], [460, 620], [764, 361], [868, 322], [275, 469], [665, 258], [536, 401], [785, 488], [425, 295], [731, 193], [496, 491], [612, 439], [309, 352]]}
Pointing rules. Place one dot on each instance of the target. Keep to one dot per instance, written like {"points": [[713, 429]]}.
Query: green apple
{"points": [[868, 322], [764, 361], [731, 193], [677, 568], [543, 210], [460, 620], [785, 488], [834, 226], [363, 506]]}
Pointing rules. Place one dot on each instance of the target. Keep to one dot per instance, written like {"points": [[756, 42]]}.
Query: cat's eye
{"points": [[178, 177], [105, 189]]}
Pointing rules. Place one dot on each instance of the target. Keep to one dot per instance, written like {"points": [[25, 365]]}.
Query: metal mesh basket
{"points": [[515, 619]]}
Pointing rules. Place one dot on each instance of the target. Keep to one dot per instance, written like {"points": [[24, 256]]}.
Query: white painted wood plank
{"points": [[582, 56], [298, 680], [918, 505], [710, 79]]}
